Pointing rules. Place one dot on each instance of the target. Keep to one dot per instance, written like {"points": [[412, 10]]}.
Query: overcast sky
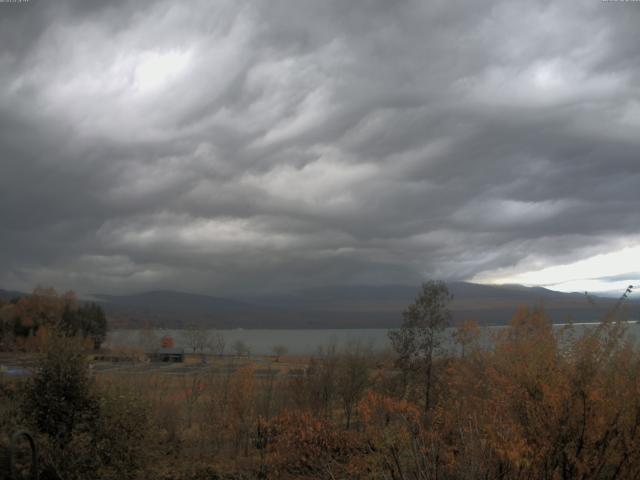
{"points": [[227, 146]]}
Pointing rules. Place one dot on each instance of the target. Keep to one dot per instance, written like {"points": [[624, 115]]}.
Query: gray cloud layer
{"points": [[219, 146]]}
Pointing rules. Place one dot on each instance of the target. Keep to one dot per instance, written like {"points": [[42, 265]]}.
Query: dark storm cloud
{"points": [[232, 145]]}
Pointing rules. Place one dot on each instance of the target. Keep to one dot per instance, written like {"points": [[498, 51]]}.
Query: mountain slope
{"points": [[344, 307], [8, 295]]}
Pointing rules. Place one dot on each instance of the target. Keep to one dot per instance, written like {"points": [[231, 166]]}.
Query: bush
{"points": [[83, 432]]}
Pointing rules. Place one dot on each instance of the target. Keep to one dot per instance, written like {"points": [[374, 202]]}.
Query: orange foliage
{"points": [[304, 446], [43, 307], [541, 404], [241, 405], [34, 317], [466, 335], [380, 410]]}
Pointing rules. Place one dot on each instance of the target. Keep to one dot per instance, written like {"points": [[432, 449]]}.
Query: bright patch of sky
{"points": [[609, 272]]}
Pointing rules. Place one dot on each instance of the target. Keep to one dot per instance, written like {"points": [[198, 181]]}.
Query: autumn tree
{"points": [[317, 389], [268, 388], [391, 430], [418, 339], [45, 308], [352, 378], [241, 405], [304, 446], [466, 335], [192, 387]]}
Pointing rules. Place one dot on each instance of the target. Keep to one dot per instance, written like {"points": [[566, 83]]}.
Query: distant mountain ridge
{"points": [[172, 300], [345, 307], [357, 306]]}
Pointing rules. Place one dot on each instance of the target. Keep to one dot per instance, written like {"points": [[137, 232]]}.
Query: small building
{"points": [[169, 355]]}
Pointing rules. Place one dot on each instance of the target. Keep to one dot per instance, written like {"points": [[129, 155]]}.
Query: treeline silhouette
{"points": [[538, 403]]}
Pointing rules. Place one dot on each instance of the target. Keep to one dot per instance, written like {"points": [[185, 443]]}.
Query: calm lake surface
{"points": [[302, 341]]}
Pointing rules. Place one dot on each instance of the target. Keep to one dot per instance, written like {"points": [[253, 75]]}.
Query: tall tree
{"points": [[419, 337], [88, 320], [93, 323], [59, 397]]}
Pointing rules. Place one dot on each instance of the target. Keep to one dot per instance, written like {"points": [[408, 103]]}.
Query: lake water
{"points": [[297, 341]]}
